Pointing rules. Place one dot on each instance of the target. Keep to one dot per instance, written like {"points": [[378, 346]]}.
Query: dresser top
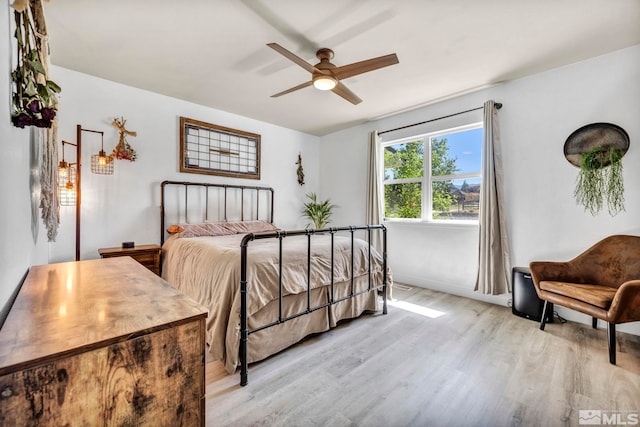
{"points": [[72, 307]]}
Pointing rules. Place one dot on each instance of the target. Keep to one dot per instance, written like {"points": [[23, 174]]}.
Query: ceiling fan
{"points": [[326, 76]]}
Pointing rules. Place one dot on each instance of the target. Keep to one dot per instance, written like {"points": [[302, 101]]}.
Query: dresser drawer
{"points": [[145, 258]]}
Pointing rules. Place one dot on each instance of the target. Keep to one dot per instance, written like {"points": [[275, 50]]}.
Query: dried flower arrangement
{"points": [[34, 96], [123, 150], [299, 170]]}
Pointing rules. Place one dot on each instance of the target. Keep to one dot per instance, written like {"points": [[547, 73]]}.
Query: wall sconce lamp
{"points": [[69, 176]]}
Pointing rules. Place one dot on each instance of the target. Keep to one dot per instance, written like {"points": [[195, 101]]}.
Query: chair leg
{"points": [[543, 321], [594, 322], [612, 343]]}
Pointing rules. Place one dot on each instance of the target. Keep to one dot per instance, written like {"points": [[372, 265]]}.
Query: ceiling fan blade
{"points": [[293, 57], [300, 86], [364, 66], [344, 92]]}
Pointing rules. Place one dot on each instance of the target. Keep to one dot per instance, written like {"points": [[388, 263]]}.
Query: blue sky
{"points": [[466, 147]]}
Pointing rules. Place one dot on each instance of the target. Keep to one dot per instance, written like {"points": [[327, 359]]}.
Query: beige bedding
{"points": [[208, 270]]}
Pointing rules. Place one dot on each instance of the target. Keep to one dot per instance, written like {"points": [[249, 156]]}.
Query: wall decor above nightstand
{"points": [[147, 255]]}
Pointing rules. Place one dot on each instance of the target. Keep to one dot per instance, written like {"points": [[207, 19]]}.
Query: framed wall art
{"points": [[210, 149]]}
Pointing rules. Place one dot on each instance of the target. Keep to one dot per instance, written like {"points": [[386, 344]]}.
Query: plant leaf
{"points": [[42, 89], [36, 66], [30, 89], [53, 86]]}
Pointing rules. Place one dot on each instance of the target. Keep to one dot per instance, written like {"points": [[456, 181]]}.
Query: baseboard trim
{"points": [[452, 288]]}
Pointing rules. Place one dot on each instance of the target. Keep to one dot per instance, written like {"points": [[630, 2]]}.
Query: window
{"points": [[434, 177]]}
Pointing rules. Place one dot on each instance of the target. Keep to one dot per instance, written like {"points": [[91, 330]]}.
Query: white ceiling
{"points": [[214, 53]]}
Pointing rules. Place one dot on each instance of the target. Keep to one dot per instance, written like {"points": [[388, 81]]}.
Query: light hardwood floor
{"points": [[477, 364]]}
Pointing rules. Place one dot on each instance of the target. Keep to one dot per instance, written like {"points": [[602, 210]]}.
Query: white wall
{"points": [[18, 247], [544, 222], [125, 205]]}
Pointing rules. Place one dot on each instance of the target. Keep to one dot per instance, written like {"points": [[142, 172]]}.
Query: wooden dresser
{"points": [[147, 255], [102, 342]]}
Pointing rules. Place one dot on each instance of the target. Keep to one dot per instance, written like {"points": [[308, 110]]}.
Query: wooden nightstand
{"points": [[147, 255]]}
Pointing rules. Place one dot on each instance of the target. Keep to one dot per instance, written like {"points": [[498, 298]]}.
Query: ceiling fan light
{"points": [[324, 82]]}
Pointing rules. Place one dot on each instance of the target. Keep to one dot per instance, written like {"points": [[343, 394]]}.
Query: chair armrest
{"points": [[556, 271], [625, 306]]}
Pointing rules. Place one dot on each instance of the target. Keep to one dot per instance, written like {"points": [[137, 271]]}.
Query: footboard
{"points": [[280, 235]]}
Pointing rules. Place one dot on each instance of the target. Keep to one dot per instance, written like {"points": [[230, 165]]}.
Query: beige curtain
{"points": [[374, 198], [494, 262]]}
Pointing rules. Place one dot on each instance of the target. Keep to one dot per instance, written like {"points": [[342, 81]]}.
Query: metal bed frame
{"points": [[281, 235], [226, 187]]}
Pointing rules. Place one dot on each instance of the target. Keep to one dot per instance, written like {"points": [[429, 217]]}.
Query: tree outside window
{"points": [[441, 184]]}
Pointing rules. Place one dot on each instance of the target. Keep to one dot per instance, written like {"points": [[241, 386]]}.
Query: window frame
{"points": [[427, 179]]}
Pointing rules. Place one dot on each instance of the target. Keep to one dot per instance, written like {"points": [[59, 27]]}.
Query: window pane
{"points": [[405, 160], [403, 200], [456, 152], [457, 199]]}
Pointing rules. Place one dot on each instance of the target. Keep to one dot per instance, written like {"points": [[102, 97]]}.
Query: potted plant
{"points": [[318, 212], [599, 179]]}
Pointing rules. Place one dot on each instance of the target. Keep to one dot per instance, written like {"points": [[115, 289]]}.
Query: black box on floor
{"points": [[525, 299]]}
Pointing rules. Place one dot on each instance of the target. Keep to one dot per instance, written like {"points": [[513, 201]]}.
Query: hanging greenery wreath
{"points": [[600, 178], [34, 96]]}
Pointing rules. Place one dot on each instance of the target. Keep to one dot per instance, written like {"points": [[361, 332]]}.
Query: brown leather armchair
{"points": [[602, 282]]}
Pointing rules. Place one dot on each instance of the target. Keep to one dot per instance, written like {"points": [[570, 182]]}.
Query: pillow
{"points": [[253, 226], [205, 229], [174, 229], [221, 228]]}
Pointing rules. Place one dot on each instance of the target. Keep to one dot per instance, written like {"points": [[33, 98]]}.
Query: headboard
{"points": [[193, 202]]}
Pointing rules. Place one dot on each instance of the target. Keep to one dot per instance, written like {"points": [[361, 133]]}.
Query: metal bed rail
{"points": [[280, 235]]}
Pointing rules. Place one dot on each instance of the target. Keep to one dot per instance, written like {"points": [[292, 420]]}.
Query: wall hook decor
{"points": [[597, 149], [300, 171]]}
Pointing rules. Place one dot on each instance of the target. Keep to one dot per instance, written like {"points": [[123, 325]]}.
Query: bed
{"points": [[265, 288]]}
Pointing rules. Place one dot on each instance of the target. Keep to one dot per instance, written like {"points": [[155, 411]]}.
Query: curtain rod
{"points": [[497, 104]]}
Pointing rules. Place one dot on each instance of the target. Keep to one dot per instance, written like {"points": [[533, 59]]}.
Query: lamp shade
{"points": [[67, 185], [102, 164]]}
